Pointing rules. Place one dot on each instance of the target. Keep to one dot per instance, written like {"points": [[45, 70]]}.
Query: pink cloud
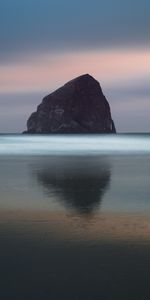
{"points": [[48, 71]]}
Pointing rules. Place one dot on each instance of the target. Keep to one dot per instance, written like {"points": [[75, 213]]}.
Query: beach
{"points": [[74, 226]]}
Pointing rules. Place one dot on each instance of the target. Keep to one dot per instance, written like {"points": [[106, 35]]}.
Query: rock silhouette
{"points": [[78, 183], [77, 107]]}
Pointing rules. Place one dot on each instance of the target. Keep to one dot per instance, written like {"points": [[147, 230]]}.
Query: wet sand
{"points": [[54, 255], [45, 255], [105, 226], [74, 228]]}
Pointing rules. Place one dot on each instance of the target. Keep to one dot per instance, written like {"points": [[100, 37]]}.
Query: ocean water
{"points": [[75, 217]]}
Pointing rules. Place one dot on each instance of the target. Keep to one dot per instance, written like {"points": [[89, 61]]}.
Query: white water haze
{"points": [[74, 145]]}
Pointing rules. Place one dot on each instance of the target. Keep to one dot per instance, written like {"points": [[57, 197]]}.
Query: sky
{"points": [[45, 43]]}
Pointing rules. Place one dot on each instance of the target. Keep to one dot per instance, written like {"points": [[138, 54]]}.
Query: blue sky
{"points": [[39, 35]]}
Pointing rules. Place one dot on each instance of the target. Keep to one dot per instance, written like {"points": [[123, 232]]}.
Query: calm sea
{"points": [[75, 217]]}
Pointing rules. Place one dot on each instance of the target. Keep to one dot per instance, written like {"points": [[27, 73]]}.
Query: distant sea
{"points": [[75, 217]]}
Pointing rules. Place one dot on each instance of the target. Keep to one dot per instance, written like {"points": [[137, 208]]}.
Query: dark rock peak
{"points": [[84, 83], [77, 107], [84, 80]]}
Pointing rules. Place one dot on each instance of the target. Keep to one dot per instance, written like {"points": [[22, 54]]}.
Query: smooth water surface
{"points": [[74, 217]]}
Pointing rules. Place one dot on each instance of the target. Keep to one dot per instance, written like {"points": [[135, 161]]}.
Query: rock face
{"points": [[77, 107]]}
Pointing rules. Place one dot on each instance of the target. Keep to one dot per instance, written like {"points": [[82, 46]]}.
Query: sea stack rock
{"points": [[77, 107]]}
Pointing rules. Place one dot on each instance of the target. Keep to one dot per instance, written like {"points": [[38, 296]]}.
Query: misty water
{"points": [[75, 217]]}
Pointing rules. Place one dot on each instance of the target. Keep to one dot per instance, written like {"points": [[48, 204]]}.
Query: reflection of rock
{"points": [[79, 182], [78, 107]]}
